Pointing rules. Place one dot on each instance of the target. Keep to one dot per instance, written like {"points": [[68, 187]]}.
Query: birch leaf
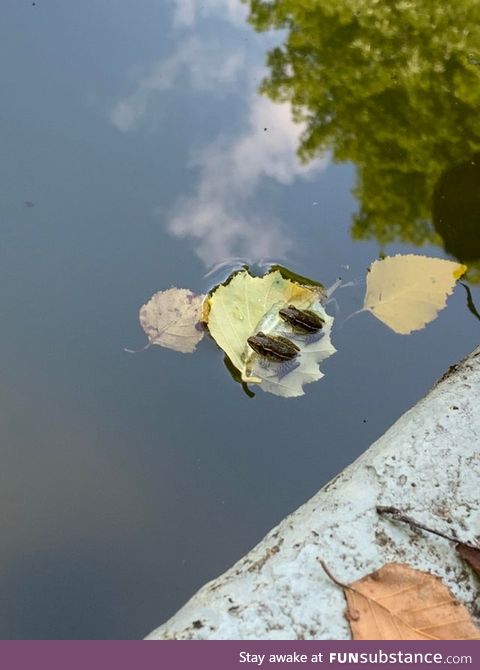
{"points": [[246, 305], [172, 318], [236, 309], [287, 379], [398, 602], [407, 291]]}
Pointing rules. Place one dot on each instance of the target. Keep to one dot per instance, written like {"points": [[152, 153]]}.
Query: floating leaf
{"points": [[172, 318], [398, 602], [299, 279], [406, 292], [287, 379], [236, 308], [246, 305]]}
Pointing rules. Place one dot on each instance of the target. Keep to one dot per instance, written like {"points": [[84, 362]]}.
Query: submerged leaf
{"points": [[246, 305], [172, 318], [406, 292]]}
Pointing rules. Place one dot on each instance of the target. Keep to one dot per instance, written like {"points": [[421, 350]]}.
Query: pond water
{"points": [[137, 154]]}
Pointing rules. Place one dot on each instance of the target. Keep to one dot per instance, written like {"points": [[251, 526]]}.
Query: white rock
{"points": [[427, 464]]}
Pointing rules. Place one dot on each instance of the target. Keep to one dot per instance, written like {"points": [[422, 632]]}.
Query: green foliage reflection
{"points": [[392, 85]]}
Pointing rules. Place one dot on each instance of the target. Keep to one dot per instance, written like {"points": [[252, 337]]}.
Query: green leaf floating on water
{"points": [[246, 305]]}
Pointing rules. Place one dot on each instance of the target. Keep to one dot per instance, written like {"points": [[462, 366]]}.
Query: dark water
{"points": [[136, 154]]}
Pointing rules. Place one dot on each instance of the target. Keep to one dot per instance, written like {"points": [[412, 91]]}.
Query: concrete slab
{"points": [[427, 464]]}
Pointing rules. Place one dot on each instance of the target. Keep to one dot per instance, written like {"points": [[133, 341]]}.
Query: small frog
{"points": [[274, 347], [302, 320]]}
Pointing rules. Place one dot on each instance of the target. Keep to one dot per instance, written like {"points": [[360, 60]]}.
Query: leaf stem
{"points": [[398, 515], [331, 576]]}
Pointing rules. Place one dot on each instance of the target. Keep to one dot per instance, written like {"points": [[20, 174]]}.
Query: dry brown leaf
{"points": [[398, 602], [171, 319], [470, 555]]}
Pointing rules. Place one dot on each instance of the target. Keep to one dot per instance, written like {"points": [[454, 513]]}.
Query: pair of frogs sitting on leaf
{"points": [[278, 348]]}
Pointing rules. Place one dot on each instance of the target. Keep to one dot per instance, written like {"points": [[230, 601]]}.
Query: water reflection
{"points": [[393, 87], [218, 215], [188, 11], [205, 65], [456, 212]]}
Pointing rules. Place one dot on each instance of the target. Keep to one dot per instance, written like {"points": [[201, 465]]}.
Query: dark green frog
{"points": [[302, 320], [274, 347]]}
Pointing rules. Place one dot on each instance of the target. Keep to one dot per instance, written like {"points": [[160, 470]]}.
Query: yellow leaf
{"points": [[406, 292], [246, 305], [237, 308], [171, 319]]}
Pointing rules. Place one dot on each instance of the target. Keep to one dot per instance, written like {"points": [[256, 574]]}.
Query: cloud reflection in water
{"points": [[222, 214]]}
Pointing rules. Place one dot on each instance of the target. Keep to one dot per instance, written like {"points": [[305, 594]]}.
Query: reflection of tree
{"points": [[392, 85], [457, 198]]}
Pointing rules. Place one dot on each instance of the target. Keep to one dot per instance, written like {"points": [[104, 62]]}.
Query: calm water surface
{"points": [[137, 153]]}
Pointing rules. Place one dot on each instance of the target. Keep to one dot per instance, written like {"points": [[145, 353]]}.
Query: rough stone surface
{"points": [[427, 464]]}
